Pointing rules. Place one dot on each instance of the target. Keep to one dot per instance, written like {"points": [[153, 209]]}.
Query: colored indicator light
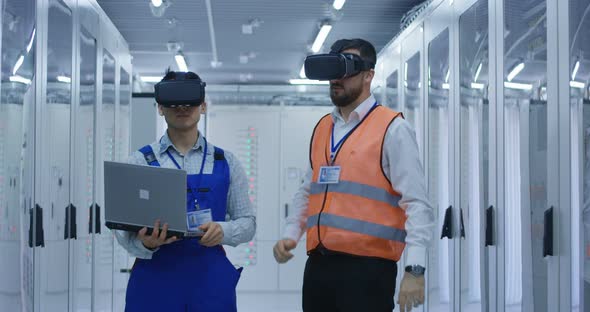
{"points": [[251, 179], [248, 153], [248, 172], [251, 243], [251, 186], [251, 257], [248, 250], [247, 263], [249, 141], [248, 147], [252, 135], [248, 166], [252, 129]]}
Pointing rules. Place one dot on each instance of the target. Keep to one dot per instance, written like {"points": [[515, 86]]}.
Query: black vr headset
{"points": [[335, 65], [180, 91]]}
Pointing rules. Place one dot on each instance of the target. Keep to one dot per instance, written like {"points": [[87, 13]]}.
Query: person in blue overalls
{"points": [[190, 274]]}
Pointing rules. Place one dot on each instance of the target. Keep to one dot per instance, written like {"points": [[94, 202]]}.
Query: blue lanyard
{"points": [[202, 162], [334, 148]]}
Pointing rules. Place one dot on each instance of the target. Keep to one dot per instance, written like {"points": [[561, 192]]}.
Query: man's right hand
{"points": [[157, 238], [282, 250]]}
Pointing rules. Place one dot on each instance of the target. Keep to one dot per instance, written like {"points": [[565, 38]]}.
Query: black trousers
{"points": [[343, 283]]}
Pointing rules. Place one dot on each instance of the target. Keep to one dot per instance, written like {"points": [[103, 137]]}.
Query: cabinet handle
{"points": [[71, 229], [490, 226], [447, 229], [462, 225], [39, 239], [548, 233], [94, 219]]}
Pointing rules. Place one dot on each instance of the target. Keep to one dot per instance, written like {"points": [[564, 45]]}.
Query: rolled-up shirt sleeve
{"points": [[401, 162], [296, 223]]}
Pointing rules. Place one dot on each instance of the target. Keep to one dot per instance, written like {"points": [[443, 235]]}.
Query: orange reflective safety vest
{"points": [[359, 214]]}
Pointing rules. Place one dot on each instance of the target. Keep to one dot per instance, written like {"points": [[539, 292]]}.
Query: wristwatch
{"points": [[416, 270]]}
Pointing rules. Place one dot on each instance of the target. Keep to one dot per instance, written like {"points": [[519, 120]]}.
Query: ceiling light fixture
{"points": [[515, 71], [448, 75], [30, 45], [338, 4], [308, 82], [244, 59], [477, 72], [20, 79], [321, 37], [181, 62], [150, 78], [518, 86], [406, 72], [158, 7], [575, 72], [479, 86], [64, 79], [577, 84], [302, 71], [19, 63], [248, 28]]}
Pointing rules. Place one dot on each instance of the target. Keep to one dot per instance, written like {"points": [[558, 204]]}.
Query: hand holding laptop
{"points": [[213, 234], [157, 238]]}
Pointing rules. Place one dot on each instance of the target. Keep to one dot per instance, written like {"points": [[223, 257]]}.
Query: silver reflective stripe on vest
{"points": [[358, 226], [358, 189]]}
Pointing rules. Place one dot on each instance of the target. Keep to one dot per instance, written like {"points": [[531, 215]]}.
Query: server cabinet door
{"points": [[579, 71], [106, 266], [85, 172], [440, 182], [17, 130], [119, 274], [474, 111], [412, 97], [527, 214], [297, 124], [53, 176]]}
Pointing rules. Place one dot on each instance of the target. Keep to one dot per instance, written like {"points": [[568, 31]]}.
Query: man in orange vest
{"points": [[363, 199]]}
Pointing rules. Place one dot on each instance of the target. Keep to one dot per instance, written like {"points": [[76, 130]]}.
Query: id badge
{"points": [[198, 218], [329, 175]]}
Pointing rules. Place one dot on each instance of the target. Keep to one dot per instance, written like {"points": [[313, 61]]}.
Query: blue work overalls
{"points": [[184, 275]]}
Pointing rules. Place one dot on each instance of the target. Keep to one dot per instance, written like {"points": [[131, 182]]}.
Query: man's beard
{"points": [[345, 96]]}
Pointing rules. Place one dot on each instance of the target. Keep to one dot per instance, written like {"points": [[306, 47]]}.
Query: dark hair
{"points": [[171, 75], [366, 49]]}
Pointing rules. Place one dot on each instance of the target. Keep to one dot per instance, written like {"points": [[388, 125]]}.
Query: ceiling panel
{"points": [[275, 50]]}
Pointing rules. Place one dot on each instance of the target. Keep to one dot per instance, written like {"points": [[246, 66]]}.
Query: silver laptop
{"points": [[136, 196]]}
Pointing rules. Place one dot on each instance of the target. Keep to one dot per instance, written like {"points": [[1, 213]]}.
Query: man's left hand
{"points": [[213, 234], [411, 293]]}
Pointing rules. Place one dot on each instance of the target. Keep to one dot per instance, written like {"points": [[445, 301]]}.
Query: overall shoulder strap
{"points": [[150, 157]]}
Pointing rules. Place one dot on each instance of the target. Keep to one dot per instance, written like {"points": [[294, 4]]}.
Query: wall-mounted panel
{"points": [[250, 133]]}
